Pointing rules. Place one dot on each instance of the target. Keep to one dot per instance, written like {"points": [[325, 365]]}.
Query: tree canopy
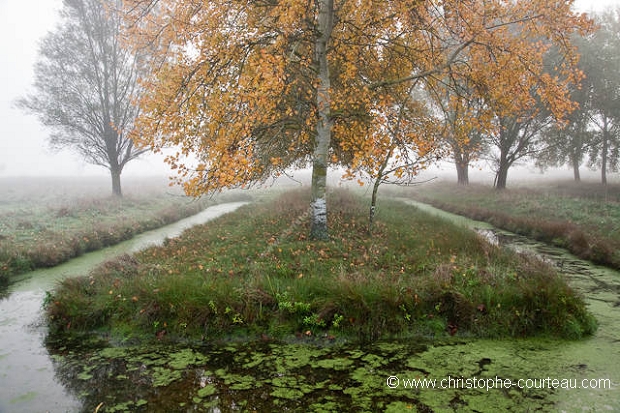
{"points": [[246, 89]]}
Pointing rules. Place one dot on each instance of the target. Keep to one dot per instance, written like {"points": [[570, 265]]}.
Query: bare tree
{"points": [[86, 85], [516, 139], [600, 64]]}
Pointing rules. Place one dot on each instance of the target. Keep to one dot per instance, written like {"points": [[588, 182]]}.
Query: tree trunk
{"points": [[576, 174], [373, 202], [111, 140], [461, 161], [116, 182], [462, 173], [318, 230], [318, 205], [604, 153], [501, 177]]}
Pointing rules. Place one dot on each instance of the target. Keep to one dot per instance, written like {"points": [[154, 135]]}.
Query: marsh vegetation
{"points": [[46, 221], [252, 274], [583, 217]]}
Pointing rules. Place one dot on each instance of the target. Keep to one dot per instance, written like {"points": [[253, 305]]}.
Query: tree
{"points": [[593, 128], [601, 59], [569, 143], [516, 138], [86, 84], [405, 140], [251, 88], [566, 145], [465, 117], [522, 117]]}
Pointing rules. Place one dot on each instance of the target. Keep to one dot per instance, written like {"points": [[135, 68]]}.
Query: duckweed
{"points": [[339, 378]]}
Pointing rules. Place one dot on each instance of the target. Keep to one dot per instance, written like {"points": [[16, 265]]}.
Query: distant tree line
{"points": [[593, 135], [588, 136]]}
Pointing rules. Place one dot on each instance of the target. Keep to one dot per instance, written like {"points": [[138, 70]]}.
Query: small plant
{"points": [[47, 300], [285, 304], [406, 314], [337, 320], [314, 321], [213, 307]]}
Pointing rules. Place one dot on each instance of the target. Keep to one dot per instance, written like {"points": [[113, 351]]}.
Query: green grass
{"points": [[583, 218], [45, 225], [253, 273]]}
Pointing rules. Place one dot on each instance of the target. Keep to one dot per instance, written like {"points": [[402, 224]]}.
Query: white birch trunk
{"points": [[318, 229]]}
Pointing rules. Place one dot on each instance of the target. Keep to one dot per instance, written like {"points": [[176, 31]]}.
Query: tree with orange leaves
{"points": [[251, 88], [465, 118]]}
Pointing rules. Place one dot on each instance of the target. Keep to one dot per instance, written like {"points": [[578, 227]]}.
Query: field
{"points": [[581, 217], [254, 274], [46, 221]]}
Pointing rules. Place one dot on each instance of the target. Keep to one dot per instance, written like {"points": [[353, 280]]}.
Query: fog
{"points": [[23, 141]]}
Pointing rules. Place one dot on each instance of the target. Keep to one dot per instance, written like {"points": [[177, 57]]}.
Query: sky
{"points": [[24, 150]]}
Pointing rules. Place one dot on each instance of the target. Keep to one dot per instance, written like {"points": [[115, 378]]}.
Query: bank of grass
{"points": [[40, 229], [253, 273], [584, 218]]}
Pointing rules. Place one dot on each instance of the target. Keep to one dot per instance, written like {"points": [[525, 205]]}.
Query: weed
{"points": [[416, 275], [575, 217]]}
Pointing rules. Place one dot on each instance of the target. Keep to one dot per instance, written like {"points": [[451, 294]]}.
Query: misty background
{"points": [[24, 148]]}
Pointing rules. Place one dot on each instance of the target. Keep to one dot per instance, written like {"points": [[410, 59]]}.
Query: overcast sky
{"points": [[23, 142]]}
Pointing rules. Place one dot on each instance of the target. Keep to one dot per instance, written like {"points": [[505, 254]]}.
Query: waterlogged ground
{"points": [[323, 376], [424, 375]]}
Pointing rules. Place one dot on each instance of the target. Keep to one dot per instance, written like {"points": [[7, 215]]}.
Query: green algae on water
{"points": [[217, 378]]}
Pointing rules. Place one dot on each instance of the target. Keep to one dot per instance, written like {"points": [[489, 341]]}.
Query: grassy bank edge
{"points": [[568, 235], [252, 274], [60, 248]]}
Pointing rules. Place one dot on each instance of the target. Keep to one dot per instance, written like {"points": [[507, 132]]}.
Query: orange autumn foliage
{"points": [[235, 85]]}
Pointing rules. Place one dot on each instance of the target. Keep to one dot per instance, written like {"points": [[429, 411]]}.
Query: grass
{"points": [[45, 223], [253, 274], [581, 217]]}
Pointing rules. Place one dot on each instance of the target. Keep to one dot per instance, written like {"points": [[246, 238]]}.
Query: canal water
{"points": [[459, 375], [27, 378]]}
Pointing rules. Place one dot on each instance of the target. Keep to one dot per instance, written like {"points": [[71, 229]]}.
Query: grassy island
{"points": [[253, 274]]}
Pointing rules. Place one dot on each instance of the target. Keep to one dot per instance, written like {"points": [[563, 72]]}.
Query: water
{"points": [[268, 376], [28, 382], [597, 357]]}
